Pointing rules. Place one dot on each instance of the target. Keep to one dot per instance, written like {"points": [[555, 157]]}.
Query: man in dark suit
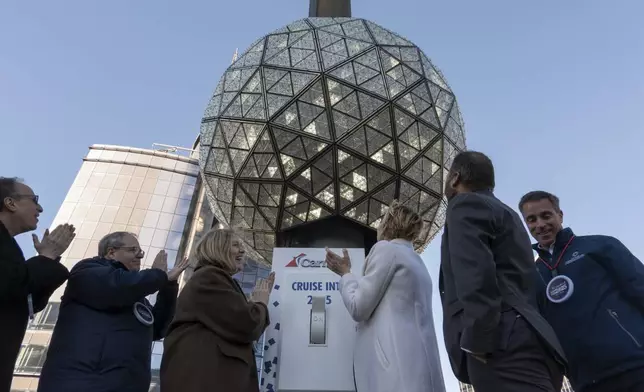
{"points": [[495, 337], [25, 285]]}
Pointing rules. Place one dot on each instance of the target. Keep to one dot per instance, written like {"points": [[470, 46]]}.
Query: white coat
{"points": [[396, 348]]}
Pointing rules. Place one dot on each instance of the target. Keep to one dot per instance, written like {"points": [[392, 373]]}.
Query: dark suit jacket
{"points": [[487, 267], [38, 276]]}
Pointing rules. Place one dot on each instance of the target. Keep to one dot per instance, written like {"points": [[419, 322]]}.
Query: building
{"points": [[564, 388], [147, 192], [465, 387]]}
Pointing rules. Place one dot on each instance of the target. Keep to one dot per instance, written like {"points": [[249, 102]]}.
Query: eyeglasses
{"points": [[33, 198], [134, 249]]}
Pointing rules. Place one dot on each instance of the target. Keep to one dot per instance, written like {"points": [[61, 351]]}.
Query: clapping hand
{"points": [[161, 261], [271, 281], [55, 243], [341, 265], [263, 289], [176, 271]]}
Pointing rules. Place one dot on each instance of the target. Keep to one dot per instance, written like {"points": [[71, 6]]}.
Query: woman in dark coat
{"points": [[209, 346]]}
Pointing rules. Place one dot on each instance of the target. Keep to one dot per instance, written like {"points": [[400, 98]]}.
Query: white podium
{"points": [[309, 345]]}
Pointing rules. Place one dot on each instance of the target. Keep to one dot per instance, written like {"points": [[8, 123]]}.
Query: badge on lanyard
{"points": [[143, 313], [560, 289]]}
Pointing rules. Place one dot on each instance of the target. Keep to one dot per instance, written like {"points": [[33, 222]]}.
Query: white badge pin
{"points": [[143, 314], [560, 289]]}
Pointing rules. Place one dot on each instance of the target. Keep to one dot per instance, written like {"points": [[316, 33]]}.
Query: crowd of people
{"points": [[510, 323]]}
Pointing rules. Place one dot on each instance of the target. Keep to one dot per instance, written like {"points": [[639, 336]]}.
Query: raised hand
{"points": [[262, 291], [161, 261], [271, 281], [341, 265], [337, 264], [178, 268], [54, 244]]}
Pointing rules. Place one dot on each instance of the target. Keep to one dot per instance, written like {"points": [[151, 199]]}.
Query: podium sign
{"points": [[309, 344]]}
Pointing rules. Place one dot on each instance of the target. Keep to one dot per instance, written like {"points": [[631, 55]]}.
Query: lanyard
{"points": [[554, 268]]}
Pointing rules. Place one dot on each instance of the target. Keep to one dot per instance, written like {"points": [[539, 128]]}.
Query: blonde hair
{"points": [[214, 249], [401, 222]]}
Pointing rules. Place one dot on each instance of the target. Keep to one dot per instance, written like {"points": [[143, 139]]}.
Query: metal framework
{"points": [[172, 149], [328, 117]]}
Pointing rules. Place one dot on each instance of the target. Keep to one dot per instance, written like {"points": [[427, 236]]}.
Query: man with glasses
{"points": [[25, 286], [105, 329]]}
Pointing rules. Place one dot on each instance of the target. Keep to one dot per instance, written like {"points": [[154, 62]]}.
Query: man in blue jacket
{"points": [[103, 337], [592, 293]]}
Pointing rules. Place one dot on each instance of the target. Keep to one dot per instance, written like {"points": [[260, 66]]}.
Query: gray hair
{"points": [[112, 240]]}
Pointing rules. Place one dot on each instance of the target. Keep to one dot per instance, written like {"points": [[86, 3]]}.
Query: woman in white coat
{"points": [[396, 347]]}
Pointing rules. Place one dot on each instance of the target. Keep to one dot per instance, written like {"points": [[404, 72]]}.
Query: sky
{"points": [[552, 91]]}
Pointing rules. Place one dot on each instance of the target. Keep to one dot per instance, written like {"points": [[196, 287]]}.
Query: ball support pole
{"points": [[330, 8]]}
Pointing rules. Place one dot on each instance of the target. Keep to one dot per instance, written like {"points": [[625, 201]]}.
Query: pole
{"points": [[329, 8]]}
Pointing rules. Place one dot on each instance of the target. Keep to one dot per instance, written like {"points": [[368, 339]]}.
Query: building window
{"points": [[31, 359], [46, 319], [564, 388]]}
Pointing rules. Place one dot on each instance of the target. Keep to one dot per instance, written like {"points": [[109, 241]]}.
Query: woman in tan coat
{"points": [[209, 347]]}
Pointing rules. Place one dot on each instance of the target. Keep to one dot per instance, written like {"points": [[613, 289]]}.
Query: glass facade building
{"points": [[466, 387], [149, 193]]}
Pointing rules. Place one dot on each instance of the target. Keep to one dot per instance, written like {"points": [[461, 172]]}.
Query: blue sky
{"points": [[553, 90]]}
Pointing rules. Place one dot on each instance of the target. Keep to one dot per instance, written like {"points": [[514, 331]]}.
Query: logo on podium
{"points": [[301, 261]]}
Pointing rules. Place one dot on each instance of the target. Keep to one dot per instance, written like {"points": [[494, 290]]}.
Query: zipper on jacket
{"points": [[615, 317]]}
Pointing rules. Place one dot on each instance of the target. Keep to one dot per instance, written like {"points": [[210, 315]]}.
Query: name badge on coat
{"points": [[143, 313], [560, 289]]}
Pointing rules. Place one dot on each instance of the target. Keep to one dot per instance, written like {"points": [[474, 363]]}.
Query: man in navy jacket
{"points": [[103, 337], [592, 293]]}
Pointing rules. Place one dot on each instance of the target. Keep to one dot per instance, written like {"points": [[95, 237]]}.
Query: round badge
{"points": [[560, 289], [143, 314]]}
